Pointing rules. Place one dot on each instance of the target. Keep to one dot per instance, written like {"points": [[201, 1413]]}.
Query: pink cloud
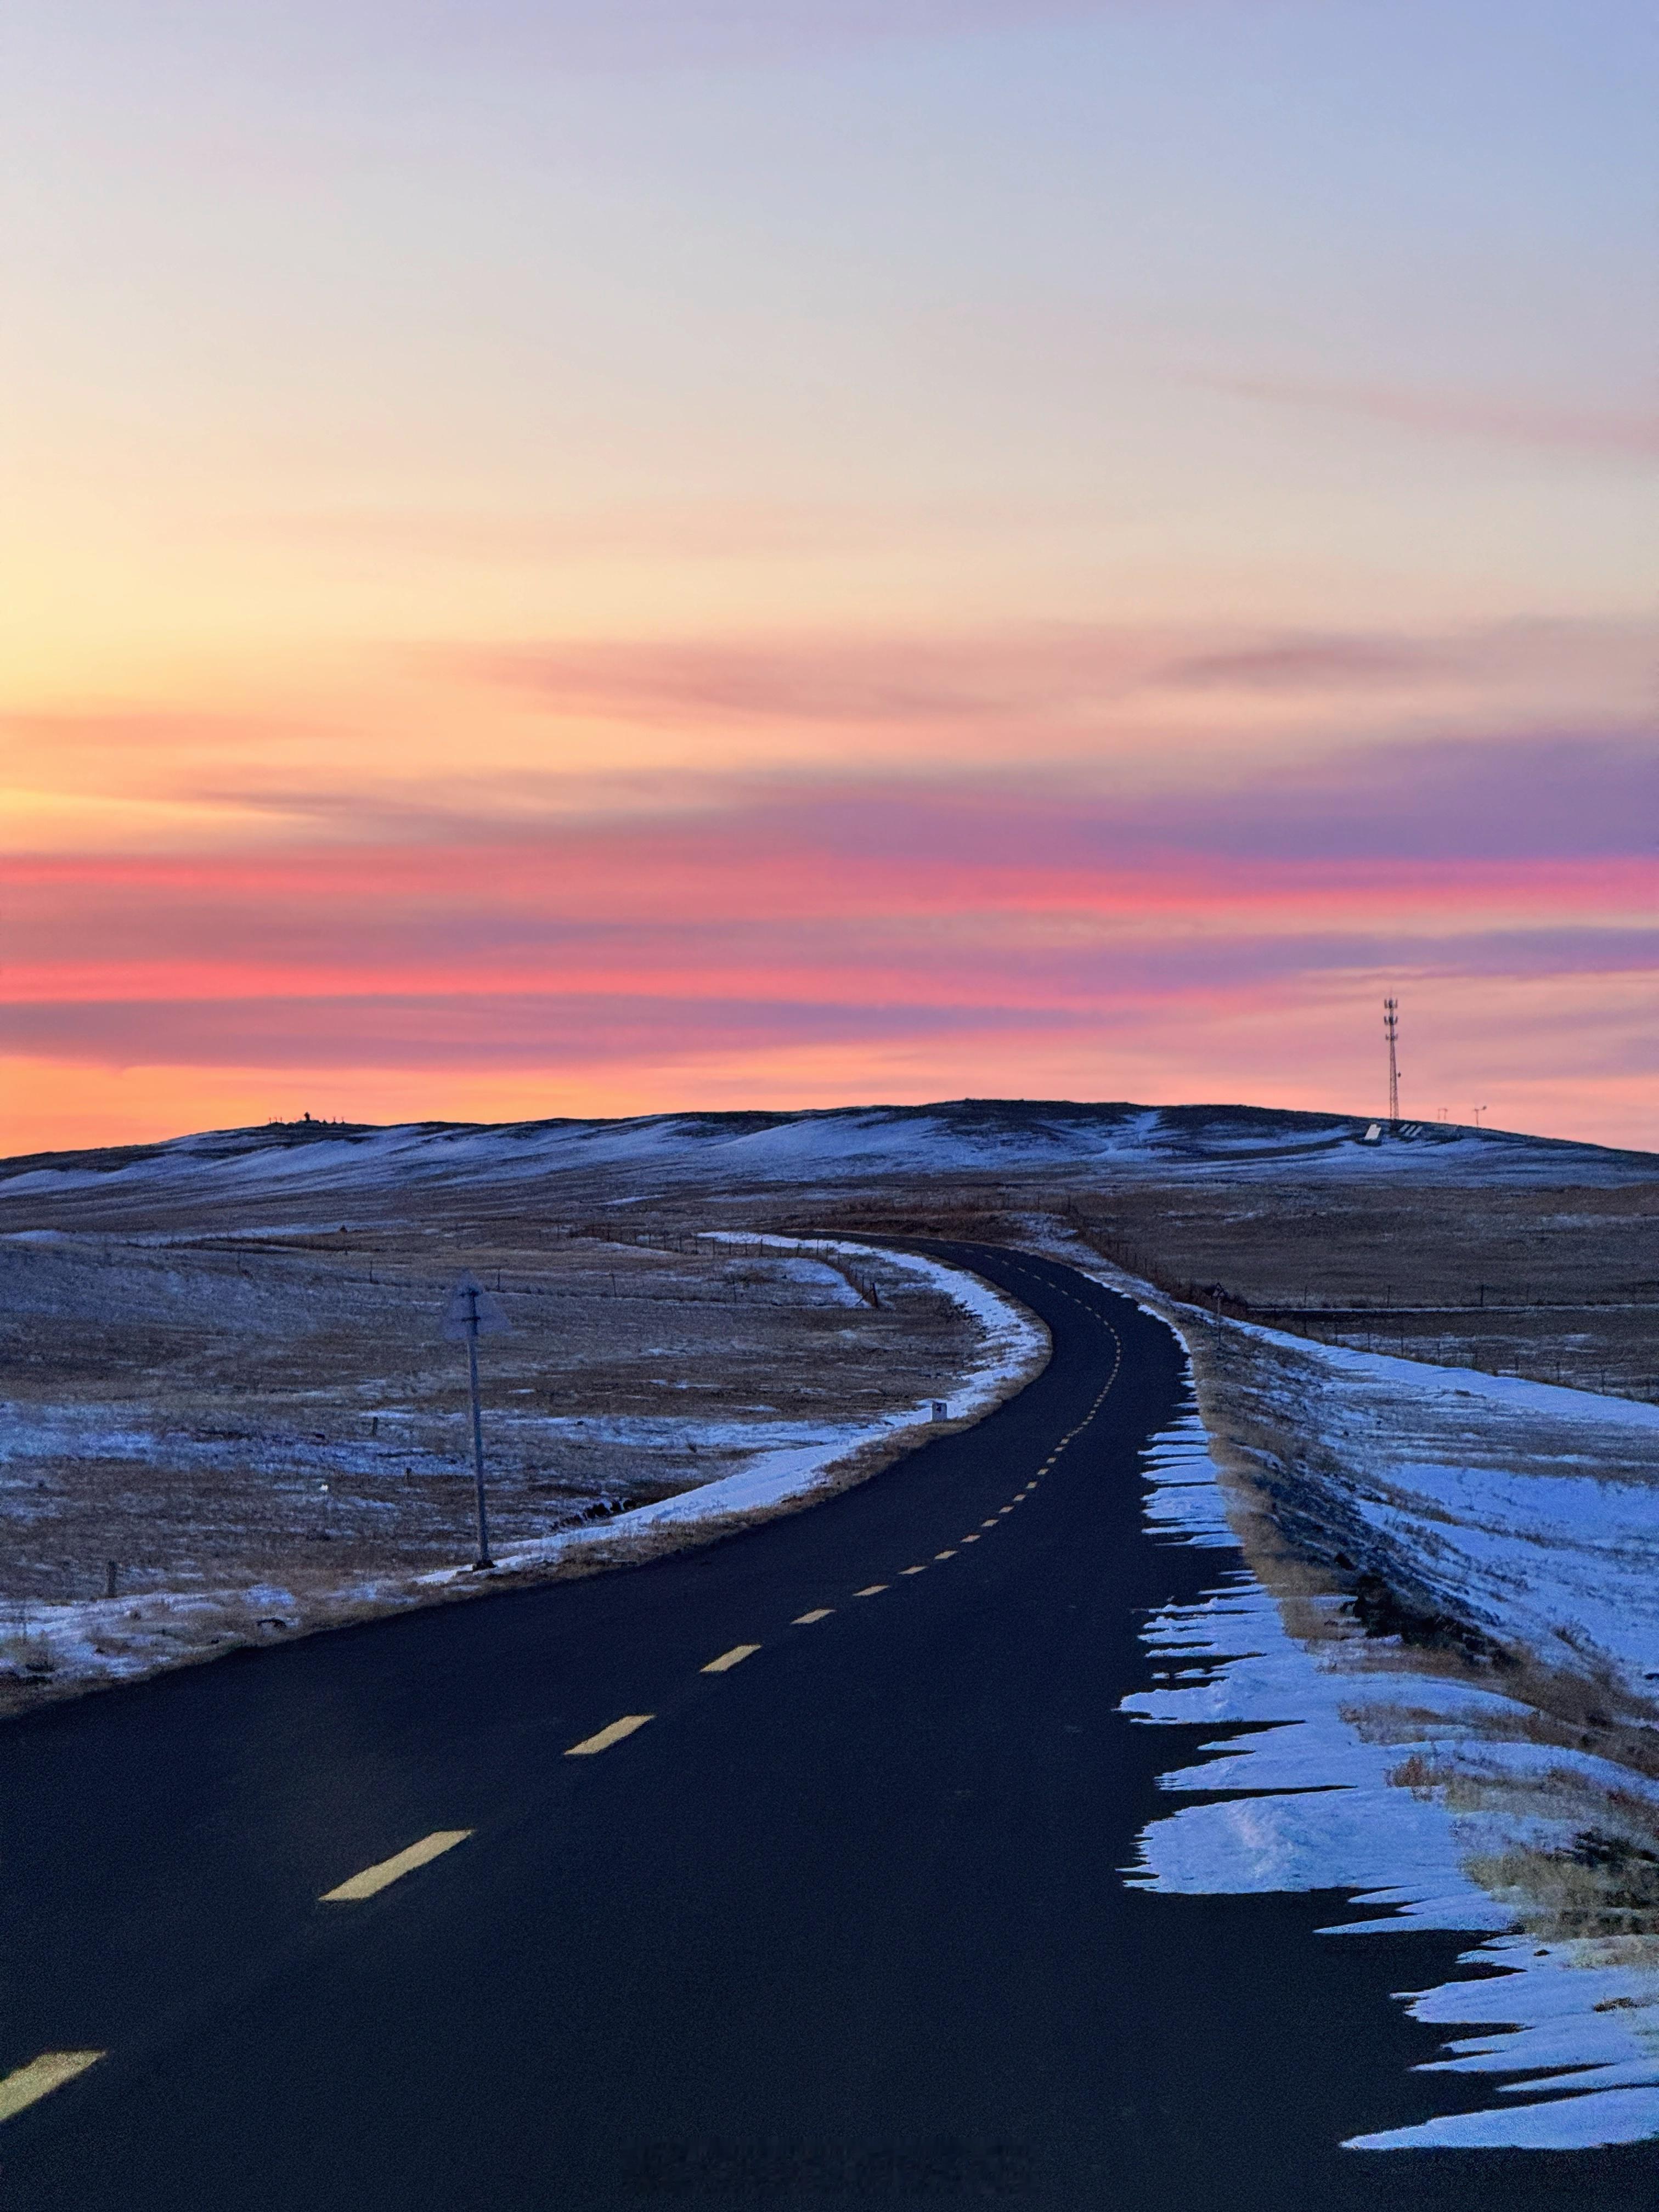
{"points": [[986, 927]]}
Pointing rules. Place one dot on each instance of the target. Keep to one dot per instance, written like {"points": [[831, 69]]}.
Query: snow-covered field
{"points": [[211, 1410], [1428, 1790], [777, 1465]]}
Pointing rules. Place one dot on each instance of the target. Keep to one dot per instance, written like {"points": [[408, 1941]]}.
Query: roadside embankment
{"points": [[1434, 1800], [1448, 1618], [1507, 1525]]}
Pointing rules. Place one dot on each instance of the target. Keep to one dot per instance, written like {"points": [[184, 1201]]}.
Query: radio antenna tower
{"points": [[1391, 1030]]}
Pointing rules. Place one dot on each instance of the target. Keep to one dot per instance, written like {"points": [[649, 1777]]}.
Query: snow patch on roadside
{"points": [[1321, 1802], [1185, 1505], [121, 1639]]}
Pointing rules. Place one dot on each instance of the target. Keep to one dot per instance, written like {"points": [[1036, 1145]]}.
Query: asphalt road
{"points": [[839, 1924]]}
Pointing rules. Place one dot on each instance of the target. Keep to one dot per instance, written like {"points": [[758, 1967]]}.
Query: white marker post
{"points": [[470, 1314]]}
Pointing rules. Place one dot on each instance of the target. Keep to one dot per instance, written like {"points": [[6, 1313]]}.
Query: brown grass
{"points": [[230, 1620], [211, 1411]]}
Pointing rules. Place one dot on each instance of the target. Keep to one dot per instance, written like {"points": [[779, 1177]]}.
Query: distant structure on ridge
{"points": [[1391, 1030]]}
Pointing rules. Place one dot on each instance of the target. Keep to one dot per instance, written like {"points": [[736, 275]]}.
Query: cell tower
{"points": [[1391, 1030]]}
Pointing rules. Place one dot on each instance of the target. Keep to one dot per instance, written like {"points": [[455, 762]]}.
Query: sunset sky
{"points": [[573, 556]]}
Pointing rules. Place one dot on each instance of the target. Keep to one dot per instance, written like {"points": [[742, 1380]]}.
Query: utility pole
{"points": [[483, 1558], [1479, 1111], [1391, 1030], [470, 1313]]}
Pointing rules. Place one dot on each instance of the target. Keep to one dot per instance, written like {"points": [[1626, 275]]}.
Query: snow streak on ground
{"points": [[1321, 1802]]}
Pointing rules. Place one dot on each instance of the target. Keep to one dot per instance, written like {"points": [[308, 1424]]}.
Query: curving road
{"points": [[835, 1921]]}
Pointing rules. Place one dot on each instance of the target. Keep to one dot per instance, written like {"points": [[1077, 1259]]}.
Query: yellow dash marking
{"points": [[727, 1660], [26, 2085], [912, 1571], [871, 1589], [392, 1869], [806, 1620], [945, 1555], [607, 1736]]}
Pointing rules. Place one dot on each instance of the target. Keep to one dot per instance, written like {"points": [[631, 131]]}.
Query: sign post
{"points": [[471, 1312]]}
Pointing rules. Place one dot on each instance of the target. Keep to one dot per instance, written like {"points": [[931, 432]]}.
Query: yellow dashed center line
{"points": [[27, 2085], [607, 1736], [52, 2068], [375, 1878]]}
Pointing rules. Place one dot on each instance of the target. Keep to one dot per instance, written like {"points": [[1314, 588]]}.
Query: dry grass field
{"points": [[1558, 1284], [218, 1406]]}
